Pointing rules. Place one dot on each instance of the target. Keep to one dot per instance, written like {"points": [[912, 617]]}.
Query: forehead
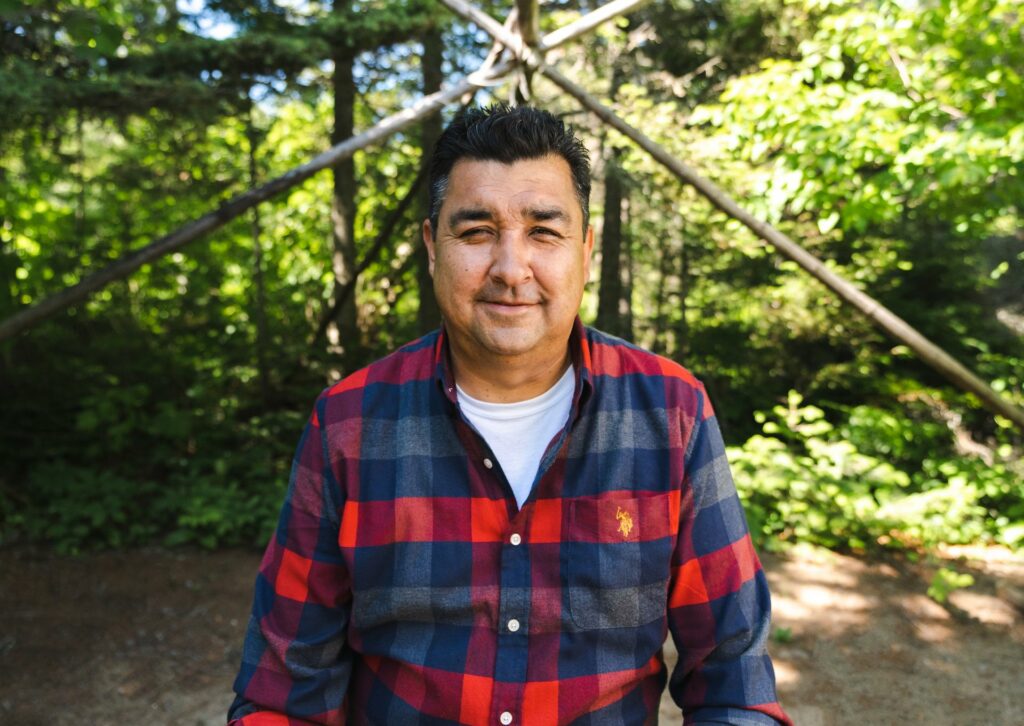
{"points": [[525, 184]]}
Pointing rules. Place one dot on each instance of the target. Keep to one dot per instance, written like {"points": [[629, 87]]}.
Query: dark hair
{"points": [[507, 134]]}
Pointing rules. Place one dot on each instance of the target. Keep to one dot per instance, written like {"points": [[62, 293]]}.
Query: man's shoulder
{"points": [[652, 381], [412, 362], [615, 357]]}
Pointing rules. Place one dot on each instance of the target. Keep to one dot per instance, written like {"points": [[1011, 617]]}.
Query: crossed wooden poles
{"points": [[526, 49]]}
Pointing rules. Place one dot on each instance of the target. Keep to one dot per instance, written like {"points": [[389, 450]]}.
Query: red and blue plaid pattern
{"points": [[404, 586]]}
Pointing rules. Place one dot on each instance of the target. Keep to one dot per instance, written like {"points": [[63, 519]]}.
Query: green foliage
{"points": [[782, 635], [890, 107], [805, 479], [211, 497], [800, 481], [156, 411], [75, 508], [946, 581], [213, 511], [884, 137]]}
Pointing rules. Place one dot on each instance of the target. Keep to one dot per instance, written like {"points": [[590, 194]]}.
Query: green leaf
{"points": [[946, 581]]}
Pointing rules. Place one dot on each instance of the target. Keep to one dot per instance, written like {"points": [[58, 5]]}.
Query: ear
{"points": [[428, 240], [588, 252]]}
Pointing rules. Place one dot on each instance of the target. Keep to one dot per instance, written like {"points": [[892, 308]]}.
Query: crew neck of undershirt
{"points": [[563, 387]]}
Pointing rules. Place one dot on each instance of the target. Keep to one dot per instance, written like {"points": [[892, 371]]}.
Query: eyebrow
{"points": [[549, 214], [480, 214], [469, 214]]}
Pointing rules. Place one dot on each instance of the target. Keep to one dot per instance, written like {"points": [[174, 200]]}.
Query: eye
{"points": [[545, 232], [475, 233]]}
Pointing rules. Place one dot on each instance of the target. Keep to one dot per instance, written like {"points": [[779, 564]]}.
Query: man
{"points": [[500, 522]]}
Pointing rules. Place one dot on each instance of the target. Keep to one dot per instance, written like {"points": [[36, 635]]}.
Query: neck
{"points": [[507, 379]]}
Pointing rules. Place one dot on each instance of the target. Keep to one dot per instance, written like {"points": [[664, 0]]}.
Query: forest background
{"points": [[888, 138]]}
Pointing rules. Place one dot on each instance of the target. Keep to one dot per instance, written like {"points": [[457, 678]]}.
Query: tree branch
{"points": [[901, 69]]}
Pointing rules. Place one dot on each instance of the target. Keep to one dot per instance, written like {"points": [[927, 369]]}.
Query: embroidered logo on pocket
{"points": [[625, 521]]}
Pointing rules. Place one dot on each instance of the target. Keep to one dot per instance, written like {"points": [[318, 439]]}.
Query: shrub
{"points": [[805, 479]]}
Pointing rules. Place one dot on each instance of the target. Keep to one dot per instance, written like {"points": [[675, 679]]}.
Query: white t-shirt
{"points": [[518, 433]]}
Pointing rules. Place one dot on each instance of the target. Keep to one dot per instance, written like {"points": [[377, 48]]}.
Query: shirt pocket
{"points": [[619, 552]]}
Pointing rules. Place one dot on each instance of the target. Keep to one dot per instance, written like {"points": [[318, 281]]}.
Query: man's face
{"points": [[509, 258]]}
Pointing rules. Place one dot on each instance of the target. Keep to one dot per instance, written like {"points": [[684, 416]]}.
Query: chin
{"points": [[511, 344]]}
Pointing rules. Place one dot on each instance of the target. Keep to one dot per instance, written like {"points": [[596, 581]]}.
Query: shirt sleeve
{"points": [[719, 607], [296, 664]]}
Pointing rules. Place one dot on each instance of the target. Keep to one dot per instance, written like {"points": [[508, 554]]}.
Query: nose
{"points": [[510, 263]]}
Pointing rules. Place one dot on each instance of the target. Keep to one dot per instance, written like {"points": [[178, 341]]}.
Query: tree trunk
{"points": [[660, 343], [259, 302], [387, 229], [80, 175], [9, 264], [682, 348], [528, 22], [429, 316], [609, 301], [611, 313], [343, 333], [626, 300]]}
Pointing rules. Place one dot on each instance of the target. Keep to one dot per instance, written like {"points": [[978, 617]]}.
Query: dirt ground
{"points": [[154, 637]]}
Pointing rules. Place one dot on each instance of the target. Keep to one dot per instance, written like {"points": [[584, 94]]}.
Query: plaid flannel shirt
{"points": [[404, 586]]}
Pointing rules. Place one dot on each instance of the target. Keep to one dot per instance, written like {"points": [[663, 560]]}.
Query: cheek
{"points": [[453, 278], [562, 274], [461, 267]]}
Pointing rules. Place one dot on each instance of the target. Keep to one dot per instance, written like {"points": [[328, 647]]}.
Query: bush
{"points": [[806, 479], [74, 509], [226, 492]]}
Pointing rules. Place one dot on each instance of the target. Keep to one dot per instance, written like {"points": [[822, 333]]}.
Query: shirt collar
{"points": [[579, 351]]}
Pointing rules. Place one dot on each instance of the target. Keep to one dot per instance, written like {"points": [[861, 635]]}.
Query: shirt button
{"points": [[513, 625], [515, 539], [490, 465], [505, 718]]}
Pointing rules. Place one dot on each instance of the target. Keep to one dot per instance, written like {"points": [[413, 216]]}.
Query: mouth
{"points": [[508, 306]]}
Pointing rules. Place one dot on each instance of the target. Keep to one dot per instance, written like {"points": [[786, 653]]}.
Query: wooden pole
{"points": [[237, 205], [529, 25], [563, 35], [930, 353], [528, 30], [496, 30], [588, 22], [532, 56]]}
